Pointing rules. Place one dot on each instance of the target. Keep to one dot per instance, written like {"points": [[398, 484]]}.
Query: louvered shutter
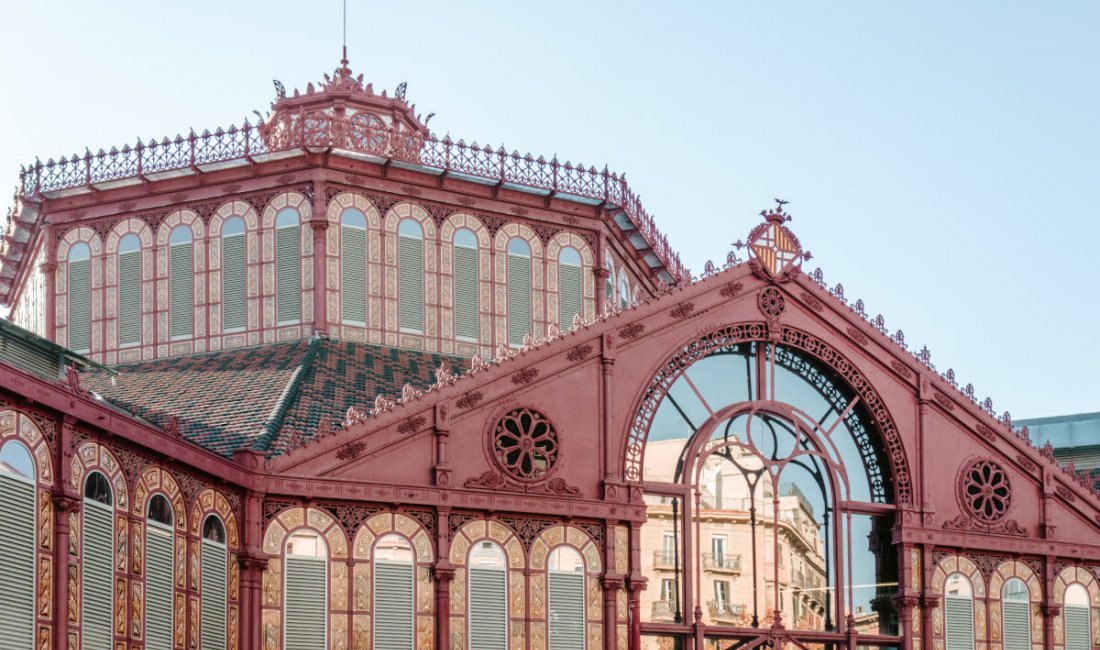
{"points": [[353, 275], [569, 303], [159, 614], [565, 612], [959, 613], [519, 299], [465, 292], [213, 596], [98, 591], [182, 280], [288, 272], [306, 609], [1077, 628], [234, 282], [394, 618], [1017, 626], [80, 305], [489, 609], [129, 298], [17, 575], [410, 263]]}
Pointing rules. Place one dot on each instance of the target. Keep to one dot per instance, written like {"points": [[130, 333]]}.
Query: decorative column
{"points": [[443, 573], [442, 469], [63, 506], [320, 278], [636, 583], [1051, 608], [929, 600], [607, 364]]}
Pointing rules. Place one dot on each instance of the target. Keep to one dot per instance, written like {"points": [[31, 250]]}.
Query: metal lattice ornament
{"points": [[525, 445], [985, 491], [771, 302]]}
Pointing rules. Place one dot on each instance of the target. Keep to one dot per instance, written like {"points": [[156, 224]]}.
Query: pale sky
{"points": [[941, 158]]}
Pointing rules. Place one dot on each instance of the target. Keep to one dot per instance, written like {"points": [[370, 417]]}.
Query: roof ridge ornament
{"points": [[774, 251]]}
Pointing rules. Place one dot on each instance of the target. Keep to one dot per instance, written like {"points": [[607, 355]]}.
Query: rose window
{"points": [[985, 490], [525, 445]]}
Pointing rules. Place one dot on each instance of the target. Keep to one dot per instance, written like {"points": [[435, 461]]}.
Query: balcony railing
{"points": [[664, 610], [665, 560], [722, 562], [721, 610]]}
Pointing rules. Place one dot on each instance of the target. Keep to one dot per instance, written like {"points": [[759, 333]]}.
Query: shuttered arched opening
{"points": [[80, 300], [288, 267], [565, 602], [569, 288], [159, 575], [129, 291], [394, 589], [305, 612], [353, 267], [465, 285], [958, 607], [181, 281], [624, 293], [18, 529], [234, 280], [97, 564], [410, 270], [213, 584], [1078, 630], [488, 597], [519, 291], [1016, 615]]}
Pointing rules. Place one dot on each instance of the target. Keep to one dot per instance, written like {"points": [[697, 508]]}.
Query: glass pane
{"points": [[16, 459], [662, 559], [393, 548], [874, 574], [213, 530]]}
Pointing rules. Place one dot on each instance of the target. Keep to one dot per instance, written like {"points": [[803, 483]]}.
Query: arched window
{"points": [[519, 291], [159, 574], [394, 589], [288, 267], [1016, 615], [18, 529], [465, 285], [97, 564], [129, 291], [1076, 617], [305, 615], [565, 599], [488, 597], [624, 291], [410, 270], [181, 281], [353, 267], [958, 609], [570, 288], [80, 300], [213, 584], [234, 277]]}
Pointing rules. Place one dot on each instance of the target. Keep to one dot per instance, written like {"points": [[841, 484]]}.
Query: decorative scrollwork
{"points": [[525, 445], [772, 303], [985, 491]]}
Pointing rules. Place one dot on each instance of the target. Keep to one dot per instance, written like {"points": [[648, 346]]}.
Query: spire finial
{"points": [[344, 59]]}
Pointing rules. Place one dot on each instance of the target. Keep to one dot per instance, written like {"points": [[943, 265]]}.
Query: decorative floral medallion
{"points": [[771, 302], [984, 491], [525, 445]]}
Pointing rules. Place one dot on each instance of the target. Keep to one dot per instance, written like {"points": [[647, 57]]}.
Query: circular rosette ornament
{"points": [[525, 445], [985, 491]]}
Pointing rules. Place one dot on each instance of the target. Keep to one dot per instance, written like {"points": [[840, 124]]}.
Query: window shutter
{"points": [[410, 263], [288, 264], [1077, 628], [565, 615], [98, 592], [394, 618], [159, 622], [353, 275], [182, 281], [129, 298], [80, 305], [1017, 626], [306, 608], [519, 299], [488, 609], [569, 303], [213, 595], [959, 615], [234, 282], [465, 292], [17, 563]]}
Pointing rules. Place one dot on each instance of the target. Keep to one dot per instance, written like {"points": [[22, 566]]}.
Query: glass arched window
{"points": [[305, 610], [181, 280], [129, 290], [1016, 615], [18, 529], [234, 277], [97, 565], [465, 285], [1076, 617], [519, 291], [159, 574], [624, 292], [394, 593], [958, 609], [80, 300], [353, 267], [488, 597], [288, 267], [570, 289], [565, 599], [410, 271], [213, 583]]}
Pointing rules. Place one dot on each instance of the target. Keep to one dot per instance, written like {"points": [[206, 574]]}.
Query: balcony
{"points": [[664, 611], [725, 612], [665, 560], [722, 563]]}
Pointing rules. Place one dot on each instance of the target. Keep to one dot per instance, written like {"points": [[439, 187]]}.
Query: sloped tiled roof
{"points": [[259, 397]]}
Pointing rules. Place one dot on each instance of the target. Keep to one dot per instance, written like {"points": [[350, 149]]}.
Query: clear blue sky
{"points": [[941, 158]]}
